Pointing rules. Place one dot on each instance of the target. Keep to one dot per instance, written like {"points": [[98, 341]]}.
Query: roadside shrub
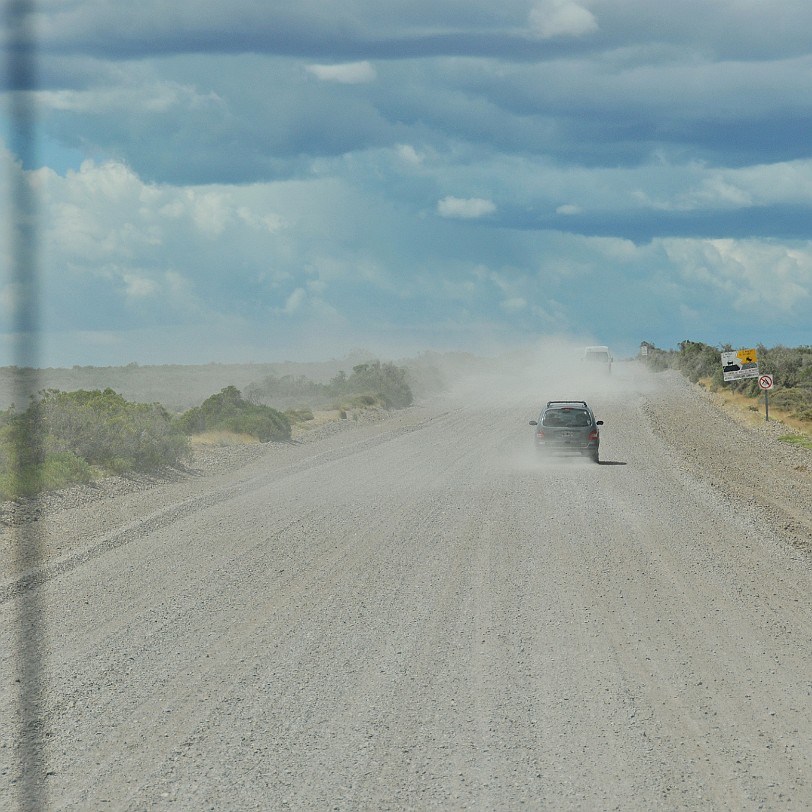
{"points": [[64, 437], [287, 387], [104, 429], [57, 471], [797, 402], [302, 415], [384, 383], [387, 384], [657, 360], [229, 411], [697, 360], [264, 425], [360, 403]]}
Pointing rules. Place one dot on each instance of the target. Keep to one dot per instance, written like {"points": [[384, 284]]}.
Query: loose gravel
{"points": [[416, 613]]}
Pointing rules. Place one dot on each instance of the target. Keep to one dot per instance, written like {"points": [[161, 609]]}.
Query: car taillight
{"points": [[593, 435], [540, 435]]}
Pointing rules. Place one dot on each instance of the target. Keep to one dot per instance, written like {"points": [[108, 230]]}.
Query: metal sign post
{"points": [[766, 383]]}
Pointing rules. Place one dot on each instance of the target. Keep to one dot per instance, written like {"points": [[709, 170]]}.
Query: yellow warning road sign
{"points": [[739, 364]]}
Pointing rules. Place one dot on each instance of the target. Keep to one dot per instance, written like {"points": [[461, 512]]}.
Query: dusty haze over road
{"points": [[416, 613]]}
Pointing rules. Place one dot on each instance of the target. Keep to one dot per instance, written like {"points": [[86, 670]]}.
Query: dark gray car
{"points": [[567, 427]]}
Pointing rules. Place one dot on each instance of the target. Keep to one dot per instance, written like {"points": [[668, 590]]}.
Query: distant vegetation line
{"points": [[790, 367], [85, 434]]}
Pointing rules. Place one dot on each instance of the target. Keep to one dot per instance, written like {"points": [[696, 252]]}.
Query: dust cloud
{"points": [[548, 369], [514, 385]]}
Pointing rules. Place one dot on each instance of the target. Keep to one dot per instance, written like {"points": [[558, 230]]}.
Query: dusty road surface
{"points": [[417, 614]]}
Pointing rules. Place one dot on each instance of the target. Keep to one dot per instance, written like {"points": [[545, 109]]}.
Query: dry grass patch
{"points": [[319, 419], [750, 411]]}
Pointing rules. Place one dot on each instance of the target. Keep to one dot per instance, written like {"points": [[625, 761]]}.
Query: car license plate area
{"points": [[569, 440]]}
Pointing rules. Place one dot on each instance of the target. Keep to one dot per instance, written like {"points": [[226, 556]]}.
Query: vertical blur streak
{"points": [[30, 767]]}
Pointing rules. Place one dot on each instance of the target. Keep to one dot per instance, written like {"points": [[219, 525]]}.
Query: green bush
{"points": [[63, 436], [797, 402], [104, 429], [360, 403], [57, 471], [694, 359], [229, 411], [384, 383], [697, 360], [288, 386], [301, 415]]}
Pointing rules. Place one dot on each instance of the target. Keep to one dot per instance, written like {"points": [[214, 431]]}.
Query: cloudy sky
{"points": [[264, 180]]}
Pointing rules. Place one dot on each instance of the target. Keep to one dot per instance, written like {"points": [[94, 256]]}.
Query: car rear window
{"points": [[569, 418]]}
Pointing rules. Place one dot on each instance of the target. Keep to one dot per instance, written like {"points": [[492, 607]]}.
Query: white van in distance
{"points": [[600, 357]]}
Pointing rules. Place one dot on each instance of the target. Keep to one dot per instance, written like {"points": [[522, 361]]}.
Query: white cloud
{"points": [[270, 222], [139, 287], [716, 191], [557, 18], [462, 208], [295, 301], [753, 277], [409, 154], [177, 285], [348, 73], [762, 184], [514, 304], [147, 97], [211, 211], [569, 209], [304, 304]]}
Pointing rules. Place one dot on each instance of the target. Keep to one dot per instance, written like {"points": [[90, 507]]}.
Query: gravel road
{"points": [[415, 613]]}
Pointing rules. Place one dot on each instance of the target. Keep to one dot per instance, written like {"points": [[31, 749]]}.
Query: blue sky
{"points": [[269, 181]]}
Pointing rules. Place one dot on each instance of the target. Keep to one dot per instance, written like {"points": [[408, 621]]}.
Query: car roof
{"points": [[566, 404]]}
